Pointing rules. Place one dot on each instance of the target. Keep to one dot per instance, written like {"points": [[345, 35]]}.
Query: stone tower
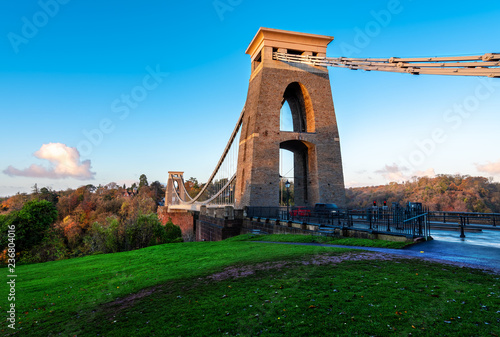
{"points": [[174, 182], [318, 175]]}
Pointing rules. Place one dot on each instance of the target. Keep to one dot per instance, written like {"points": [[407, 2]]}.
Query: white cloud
{"points": [[398, 174], [491, 168], [64, 163], [393, 173], [427, 173]]}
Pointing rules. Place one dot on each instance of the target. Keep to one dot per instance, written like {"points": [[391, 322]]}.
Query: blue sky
{"points": [[67, 65]]}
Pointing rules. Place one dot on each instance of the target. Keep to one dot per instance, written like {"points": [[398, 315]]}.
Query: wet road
{"points": [[477, 250], [481, 248]]}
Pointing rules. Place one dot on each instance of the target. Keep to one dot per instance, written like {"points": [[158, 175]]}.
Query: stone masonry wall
{"points": [[216, 229], [184, 219], [261, 138]]}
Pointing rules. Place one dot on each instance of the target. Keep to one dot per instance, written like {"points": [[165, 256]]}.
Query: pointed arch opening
{"points": [[296, 114], [296, 166], [287, 177], [286, 118]]}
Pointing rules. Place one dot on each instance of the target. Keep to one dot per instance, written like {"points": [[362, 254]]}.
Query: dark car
{"points": [[326, 209]]}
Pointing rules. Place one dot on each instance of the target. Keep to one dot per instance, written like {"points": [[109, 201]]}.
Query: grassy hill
{"points": [[250, 288]]}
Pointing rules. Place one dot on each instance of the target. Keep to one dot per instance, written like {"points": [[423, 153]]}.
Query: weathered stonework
{"points": [[184, 219], [216, 229], [315, 140], [215, 224]]}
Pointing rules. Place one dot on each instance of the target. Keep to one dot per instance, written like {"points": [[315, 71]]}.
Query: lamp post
{"points": [[287, 185]]}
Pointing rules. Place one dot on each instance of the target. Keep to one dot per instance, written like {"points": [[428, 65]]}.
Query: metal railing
{"points": [[421, 222], [471, 218]]}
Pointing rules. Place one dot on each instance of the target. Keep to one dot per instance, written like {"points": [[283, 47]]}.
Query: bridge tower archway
{"points": [[175, 188], [314, 139], [299, 102], [304, 174]]}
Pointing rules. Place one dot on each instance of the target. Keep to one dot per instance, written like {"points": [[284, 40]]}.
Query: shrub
{"points": [[147, 230], [143, 232], [104, 238], [51, 248], [31, 224], [173, 232]]}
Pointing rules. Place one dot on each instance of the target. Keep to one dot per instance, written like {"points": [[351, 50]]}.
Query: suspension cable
{"points": [[220, 164], [487, 65]]}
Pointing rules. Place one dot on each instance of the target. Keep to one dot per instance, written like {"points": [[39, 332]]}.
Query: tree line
{"points": [[459, 193], [53, 225]]}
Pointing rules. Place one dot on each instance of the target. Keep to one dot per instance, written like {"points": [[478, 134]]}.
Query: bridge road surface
{"points": [[477, 250], [434, 225]]}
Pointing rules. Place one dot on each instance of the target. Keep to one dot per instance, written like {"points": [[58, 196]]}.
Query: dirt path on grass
{"points": [[368, 253], [247, 270], [118, 305], [483, 258]]}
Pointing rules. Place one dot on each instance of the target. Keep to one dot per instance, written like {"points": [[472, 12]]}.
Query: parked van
{"points": [[326, 209]]}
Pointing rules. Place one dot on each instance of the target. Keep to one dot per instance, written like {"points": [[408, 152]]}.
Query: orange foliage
{"points": [[442, 193]]}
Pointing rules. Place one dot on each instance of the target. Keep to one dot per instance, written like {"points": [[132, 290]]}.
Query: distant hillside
{"points": [[442, 193]]}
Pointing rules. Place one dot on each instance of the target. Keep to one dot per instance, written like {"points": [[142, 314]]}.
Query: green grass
{"points": [[58, 297], [91, 295], [353, 298], [322, 239]]}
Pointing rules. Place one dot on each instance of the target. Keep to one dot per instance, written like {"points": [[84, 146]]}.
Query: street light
{"points": [[287, 185]]}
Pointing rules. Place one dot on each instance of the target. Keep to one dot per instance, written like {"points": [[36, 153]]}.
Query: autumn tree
{"points": [[16, 202], [49, 195], [441, 193], [143, 181], [157, 191], [192, 187]]}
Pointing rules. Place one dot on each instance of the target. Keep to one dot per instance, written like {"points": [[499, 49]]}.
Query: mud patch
{"points": [[235, 272], [127, 302], [244, 271]]}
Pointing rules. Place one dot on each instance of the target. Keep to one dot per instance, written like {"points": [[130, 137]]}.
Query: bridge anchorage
{"points": [[288, 68]]}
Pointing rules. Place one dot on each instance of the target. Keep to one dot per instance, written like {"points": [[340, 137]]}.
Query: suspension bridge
{"points": [[293, 67]]}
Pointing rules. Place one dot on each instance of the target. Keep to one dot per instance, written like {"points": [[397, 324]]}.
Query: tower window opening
{"points": [[257, 61], [294, 52]]}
